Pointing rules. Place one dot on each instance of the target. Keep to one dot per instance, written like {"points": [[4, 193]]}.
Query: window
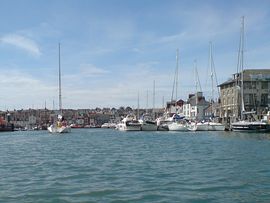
{"points": [[254, 85], [251, 99], [264, 99], [247, 85], [246, 98], [264, 85]]}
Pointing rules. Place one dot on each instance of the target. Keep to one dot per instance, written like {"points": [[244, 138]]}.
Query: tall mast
{"points": [[147, 101], [163, 102], [176, 79], [60, 94], [242, 66], [195, 73], [138, 106], [154, 95], [212, 75], [197, 82], [197, 79]]}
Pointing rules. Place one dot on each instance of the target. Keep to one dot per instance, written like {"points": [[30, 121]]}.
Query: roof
{"points": [[250, 75], [227, 82]]}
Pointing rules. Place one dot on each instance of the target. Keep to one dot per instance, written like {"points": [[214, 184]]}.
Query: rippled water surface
{"points": [[104, 165]]}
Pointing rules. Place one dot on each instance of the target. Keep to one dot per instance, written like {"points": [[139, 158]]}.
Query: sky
{"points": [[112, 51]]}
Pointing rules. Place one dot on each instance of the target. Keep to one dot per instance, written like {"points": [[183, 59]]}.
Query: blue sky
{"points": [[111, 50]]}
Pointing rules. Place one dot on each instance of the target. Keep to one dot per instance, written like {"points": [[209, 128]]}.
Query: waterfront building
{"points": [[195, 106], [213, 111], [41, 118], [256, 94], [174, 107], [171, 107]]}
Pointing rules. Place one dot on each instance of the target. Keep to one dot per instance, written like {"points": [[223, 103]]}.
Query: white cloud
{"points": [[85, 71], [22, 42], [90, 70], [20, 90], [119, 90]]}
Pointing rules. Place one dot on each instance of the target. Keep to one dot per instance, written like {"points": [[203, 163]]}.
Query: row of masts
{"points": [[174, 95], [239, 80], [154, 95]]}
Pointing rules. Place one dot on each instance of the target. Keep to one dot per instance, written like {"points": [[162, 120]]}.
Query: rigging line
{"points": [[242, 68], [207, 72], [146, 101], [173, 85], [197, 78], [177, 67], [239, 59], [175, 81], [154, 94], [59, 78], [195, 75], [215, 74]]}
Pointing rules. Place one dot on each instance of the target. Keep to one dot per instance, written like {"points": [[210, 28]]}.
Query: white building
{"points": [[195, 106]]}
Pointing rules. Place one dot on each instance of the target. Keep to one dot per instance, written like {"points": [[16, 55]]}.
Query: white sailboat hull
{"points": [[124, 127], [177, 127], [58, 127], [210, 126], [63, 129]]}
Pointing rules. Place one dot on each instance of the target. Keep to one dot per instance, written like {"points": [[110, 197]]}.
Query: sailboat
{"points": [[251, 124], [61, 125], [146, 120], [210, 125], [130, 122], [178, 123]]}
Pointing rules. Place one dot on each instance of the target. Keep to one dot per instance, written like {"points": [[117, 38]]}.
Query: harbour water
{"points": [[105, 165]]}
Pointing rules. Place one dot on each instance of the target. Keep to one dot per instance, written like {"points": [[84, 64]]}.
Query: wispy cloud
{"points": [[22, 42], [21, 90], [109, 56], [90, 70], [85, 71]]}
